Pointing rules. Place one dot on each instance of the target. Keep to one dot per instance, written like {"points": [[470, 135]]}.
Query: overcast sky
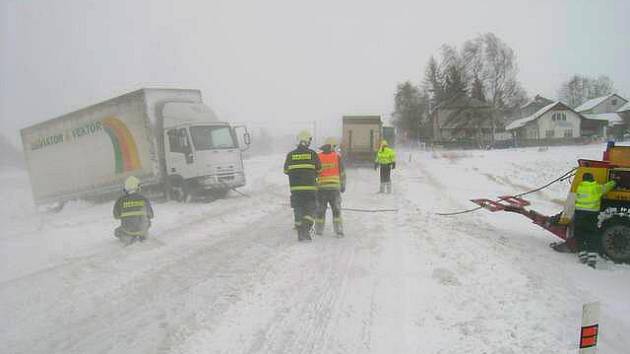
{"points": [[284, 62]]}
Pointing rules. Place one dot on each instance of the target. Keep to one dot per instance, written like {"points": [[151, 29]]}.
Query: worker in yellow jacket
{"points": [[386, 160], [587, 205]]}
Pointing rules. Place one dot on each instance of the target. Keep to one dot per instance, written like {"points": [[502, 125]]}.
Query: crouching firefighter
{"points": [[302, 166], [332, 182], [134, 212], [386, 160], [587, 205]]}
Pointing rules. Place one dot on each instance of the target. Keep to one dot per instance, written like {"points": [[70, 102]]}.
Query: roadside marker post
{"points": [[590, 328]]}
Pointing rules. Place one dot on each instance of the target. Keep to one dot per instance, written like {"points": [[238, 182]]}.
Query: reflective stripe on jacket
{"points": [[134, 212], [330, 175], [385, 156], [589, 195], [302, 166]]}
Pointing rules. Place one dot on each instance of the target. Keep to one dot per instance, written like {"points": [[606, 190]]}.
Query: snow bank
{"points": [[229, 276]]}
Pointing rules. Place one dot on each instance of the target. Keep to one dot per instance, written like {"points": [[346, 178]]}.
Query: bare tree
{"points": [[492, 65], [579, 89]]}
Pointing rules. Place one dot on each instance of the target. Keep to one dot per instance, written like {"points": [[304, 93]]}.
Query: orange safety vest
{"points": [[329, 177]]}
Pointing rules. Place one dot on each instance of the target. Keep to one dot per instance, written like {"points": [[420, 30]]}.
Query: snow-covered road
{"points": [[230, 277]]}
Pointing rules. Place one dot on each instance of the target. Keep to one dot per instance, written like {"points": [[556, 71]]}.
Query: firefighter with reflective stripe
{"points": [[302, 166], [587, 205], [332, 182], [134, 212], [386, 160]]}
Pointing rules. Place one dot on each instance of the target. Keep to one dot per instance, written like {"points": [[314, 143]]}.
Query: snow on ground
{"points": [[230, 277]]}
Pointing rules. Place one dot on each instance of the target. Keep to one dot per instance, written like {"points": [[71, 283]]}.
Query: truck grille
{"points": [[225, 173]]}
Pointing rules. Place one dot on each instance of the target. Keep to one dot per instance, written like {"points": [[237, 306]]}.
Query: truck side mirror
{"points": [[247, 138]]}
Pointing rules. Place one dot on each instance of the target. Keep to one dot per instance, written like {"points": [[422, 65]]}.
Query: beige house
{"points": [[555, 121]]}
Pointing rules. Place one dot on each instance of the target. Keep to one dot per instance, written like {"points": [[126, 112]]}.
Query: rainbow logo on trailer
{"points": [[125, 149]]}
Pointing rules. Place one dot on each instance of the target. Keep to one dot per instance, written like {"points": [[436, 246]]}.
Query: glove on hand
{"points": [[375, 166], [342, 189], [393, 165]]}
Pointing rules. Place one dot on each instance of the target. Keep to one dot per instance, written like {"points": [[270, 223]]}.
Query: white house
{"points": [[605, 109], [604, 104], [553, 121]]}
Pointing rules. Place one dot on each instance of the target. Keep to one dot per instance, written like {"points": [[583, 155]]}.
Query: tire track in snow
{"points": [[499, 270]]}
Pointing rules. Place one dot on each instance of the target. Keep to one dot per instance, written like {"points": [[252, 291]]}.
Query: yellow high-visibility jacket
{"points": [[385, 156], [589, 195]]}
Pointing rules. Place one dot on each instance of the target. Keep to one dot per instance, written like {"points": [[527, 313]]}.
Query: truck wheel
{"points": [[180, 193], [616, 242], [219, 194]]}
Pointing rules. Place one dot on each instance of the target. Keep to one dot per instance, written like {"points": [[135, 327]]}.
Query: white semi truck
{"points": [[167, 138]]}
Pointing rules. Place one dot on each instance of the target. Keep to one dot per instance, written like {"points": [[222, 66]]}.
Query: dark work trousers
{"points": [[304, 204], [386, 173], [585, 230], [327, 197]]}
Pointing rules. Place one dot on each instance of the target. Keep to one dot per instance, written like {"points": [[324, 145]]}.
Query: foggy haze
{"points": [[286, 62]]}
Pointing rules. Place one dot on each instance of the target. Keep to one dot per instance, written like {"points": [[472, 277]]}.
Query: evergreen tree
{"points": [[455, 76], [409, 109], [433, 82], [477, 90]]}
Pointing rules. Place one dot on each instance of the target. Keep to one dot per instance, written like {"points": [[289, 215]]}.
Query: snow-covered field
{"points": [[230, 276]]}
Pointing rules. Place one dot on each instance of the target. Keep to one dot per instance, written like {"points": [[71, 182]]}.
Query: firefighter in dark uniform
{"points": [[332, 182], [302, 166], [134, 212]]}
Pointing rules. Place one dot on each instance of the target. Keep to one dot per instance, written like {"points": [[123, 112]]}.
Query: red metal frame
{"points": [[517, 205]]}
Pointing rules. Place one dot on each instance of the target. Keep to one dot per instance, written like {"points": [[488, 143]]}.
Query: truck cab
{"points": [[203, 156]]}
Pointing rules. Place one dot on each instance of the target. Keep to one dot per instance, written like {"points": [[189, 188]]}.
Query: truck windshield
{"points": [[208, 137]]}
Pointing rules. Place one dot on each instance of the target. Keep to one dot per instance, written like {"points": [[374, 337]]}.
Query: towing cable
{"points": [[369, 210], [565, 176]]}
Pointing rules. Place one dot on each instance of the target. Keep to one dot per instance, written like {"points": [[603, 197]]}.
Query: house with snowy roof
{"points": [[555, 121], [624, 112], [605, 109], [603, 104], [531, 107]]}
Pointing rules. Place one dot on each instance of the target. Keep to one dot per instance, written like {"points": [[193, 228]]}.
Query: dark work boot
{"points": [[338, 228], [307, 228], [583, 256], [300, 232], [592, 260], [319, 226]]}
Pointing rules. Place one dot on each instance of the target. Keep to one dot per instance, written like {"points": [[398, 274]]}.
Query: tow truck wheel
{"points": [[616, 242]]}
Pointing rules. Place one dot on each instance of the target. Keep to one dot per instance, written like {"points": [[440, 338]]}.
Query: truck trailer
{"points": [[361, 138], [168, 138], [389, 134]]}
